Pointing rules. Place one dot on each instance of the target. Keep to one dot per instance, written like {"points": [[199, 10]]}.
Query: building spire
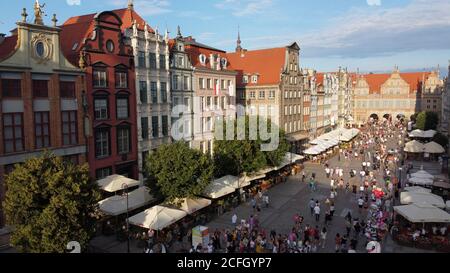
{"points": [[130, 5], [179, 32], [238, 43]]}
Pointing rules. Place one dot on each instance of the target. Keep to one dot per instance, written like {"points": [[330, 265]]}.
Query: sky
{"points": [[369, 35]]}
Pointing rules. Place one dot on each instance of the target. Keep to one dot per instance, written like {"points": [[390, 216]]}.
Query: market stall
{"points": [[407, 198], [422, 174], [414, 147], [417, 189], [191, 206], [420, 181], [221, 187], [434, 148], [117, 205], [115, 183], [423, 213], [157, 218]]}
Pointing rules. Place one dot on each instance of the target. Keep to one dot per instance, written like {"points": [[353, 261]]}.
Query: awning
{"points": [[417, 133], [414, 147], [117, 205], [422, 174], [417, 189], [115, 183], [289, 159], [448, 205], [297, 137], [434, 148], [429, 134], [157, 218], [222, 187], [423, 213], [420, 181], [442, 185], [407, 198], [190, 206]]}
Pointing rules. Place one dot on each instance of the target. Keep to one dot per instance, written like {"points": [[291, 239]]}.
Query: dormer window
{"points": [[202, 59], [245, 79], [255, 79], [224, 62]]}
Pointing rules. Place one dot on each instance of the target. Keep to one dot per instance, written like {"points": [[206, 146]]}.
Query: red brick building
{"points": [[41, 96], [111, 94]]}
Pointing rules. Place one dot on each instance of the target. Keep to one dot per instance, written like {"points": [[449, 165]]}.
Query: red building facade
{"points": [[96, 43]]}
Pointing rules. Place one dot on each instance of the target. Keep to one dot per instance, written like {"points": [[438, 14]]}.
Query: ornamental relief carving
{"points": [[41, 48]]}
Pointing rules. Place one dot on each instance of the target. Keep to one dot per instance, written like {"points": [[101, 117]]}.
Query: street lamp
{"points": [[400, 178], [125, 188]]}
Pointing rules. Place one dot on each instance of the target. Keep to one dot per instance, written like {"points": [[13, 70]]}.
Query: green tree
{"points": [[234, 157], [177, 171], [49, 203], [427, 121], [441, 139]]}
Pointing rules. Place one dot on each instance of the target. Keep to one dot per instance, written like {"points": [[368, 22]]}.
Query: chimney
{"points": [[2, 37]]}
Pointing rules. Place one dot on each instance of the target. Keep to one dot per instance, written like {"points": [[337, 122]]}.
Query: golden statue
{"points": [[38, 13]]}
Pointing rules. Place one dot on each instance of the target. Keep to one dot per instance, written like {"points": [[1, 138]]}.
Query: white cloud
{"points": [[147, 7], [241, 8], [73, 2], [374, 2]]}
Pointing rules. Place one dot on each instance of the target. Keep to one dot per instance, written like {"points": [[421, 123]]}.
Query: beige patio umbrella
{"points": [[434, 148], [414, 147]]}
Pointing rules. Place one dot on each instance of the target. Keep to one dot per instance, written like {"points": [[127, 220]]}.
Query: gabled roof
{"points": [[76, 29], [195, 49], [414, 79], [267, 63], [7, 47]]}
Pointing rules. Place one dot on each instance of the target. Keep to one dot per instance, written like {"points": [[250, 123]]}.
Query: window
{"points": [[165, 126], [69, 127], [271, 94], [103, 173], [202, 104], [216, 102], [252, 95], [245, 79], [152, 58], [295, 80], [201, 83], [162, 61], [123, 140], [11, 88], [122, 108], [208, 102], [223, 102], [209, 83], [291, 80], [42, 130], [285, 110], [109, 46], [242, 95], [286, 94], [141, 59], [187, 104], [222, 84], [102, 147], [262, 95], [13, 132], [143, 91], [67, 89], [175, 82], [154, 91], [180, 62], [101, 108], [155, 127], [100, 78], [186, 83], [255, 79], [40, 89], [164, 92], [121, 79]]}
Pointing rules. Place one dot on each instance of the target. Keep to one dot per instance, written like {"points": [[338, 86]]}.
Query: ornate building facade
{"points": [[41, 95], [153, 85], [271, 83], [391, 94], [97, 43]]}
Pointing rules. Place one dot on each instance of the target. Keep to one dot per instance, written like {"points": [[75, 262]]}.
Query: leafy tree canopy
{"points": [[49, 203]]}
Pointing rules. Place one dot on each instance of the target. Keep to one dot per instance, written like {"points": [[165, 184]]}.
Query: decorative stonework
{"points": [[44, 54]]}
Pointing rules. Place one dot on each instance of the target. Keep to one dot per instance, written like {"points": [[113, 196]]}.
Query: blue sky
{"points": [[372, 35]]}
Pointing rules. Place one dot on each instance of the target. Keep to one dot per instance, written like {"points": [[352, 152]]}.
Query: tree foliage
{"points": [[441, 139], [49, 203], [234, 157], [177, 171], [427, 121]]}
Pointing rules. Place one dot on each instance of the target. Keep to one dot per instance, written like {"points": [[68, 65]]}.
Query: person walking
{"points": [[360, 204], [332, 209], [312, 205], [234, 219], [327, 217], [317, 212], [338, 242], [323, 237]]}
